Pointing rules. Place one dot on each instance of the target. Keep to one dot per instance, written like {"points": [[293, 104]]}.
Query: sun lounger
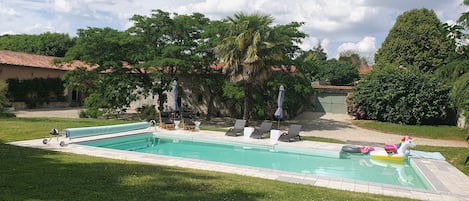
{"points": [[265, 128], [165, 121], [293, 133], [237, 129], [187, 122]]}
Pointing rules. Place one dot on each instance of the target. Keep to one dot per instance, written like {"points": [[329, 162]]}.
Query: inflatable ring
{"points": [[351, 148]]}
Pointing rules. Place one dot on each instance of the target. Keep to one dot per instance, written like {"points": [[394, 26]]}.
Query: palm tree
{"points": [[464, 18], [252, 46]]}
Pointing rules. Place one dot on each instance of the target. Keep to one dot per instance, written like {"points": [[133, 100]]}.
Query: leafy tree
{"points": [[460, 95], [205, 69], [464, 18], [50, 44], [399, 95], [453, 71], [336, 72], [308, 62], [353, 58], [146, 57], [416, 40], [297, 92], [172, 44], [107, 49], [252, 46], [317, 54], [81, 80]]}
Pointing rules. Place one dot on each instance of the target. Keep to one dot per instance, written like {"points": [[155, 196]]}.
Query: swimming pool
{"points": [[306, 161]]}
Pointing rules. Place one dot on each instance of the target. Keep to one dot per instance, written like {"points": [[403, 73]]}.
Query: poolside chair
{"points": [[293, 132], [265, 128], [165, 121], [186, 121], [237, 129]]}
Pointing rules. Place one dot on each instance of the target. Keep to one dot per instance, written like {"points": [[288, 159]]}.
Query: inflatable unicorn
{"points": [[399, 155]]}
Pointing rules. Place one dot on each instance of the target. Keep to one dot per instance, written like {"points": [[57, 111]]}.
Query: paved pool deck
{"points": [[448, 182]]}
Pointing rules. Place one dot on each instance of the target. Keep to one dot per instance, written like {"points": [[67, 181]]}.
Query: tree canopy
{"points": [[416, 40], [403, 96], [252, 46], [50, 44]]}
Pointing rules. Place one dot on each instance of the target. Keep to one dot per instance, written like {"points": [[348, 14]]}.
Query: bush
{"points": [[91, 113], [460, 95], [3, 98], [36, 91], [147, 112], [402, 96], [7, 115]]}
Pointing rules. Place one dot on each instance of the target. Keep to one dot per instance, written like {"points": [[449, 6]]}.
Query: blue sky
{"points": [[338, 25]]}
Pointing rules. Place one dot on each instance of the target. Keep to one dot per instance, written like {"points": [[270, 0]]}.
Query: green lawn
{"points": [[454, 155], [432, 132], [35, 174], [15, 129]]}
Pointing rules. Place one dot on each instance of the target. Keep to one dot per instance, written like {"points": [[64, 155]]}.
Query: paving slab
{"points": [[440, 174]]}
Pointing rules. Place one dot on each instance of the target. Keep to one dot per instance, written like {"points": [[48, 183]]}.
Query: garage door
{"points": [[331, 103]]}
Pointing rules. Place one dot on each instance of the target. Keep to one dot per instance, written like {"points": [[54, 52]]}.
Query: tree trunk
{"points": [[210, 106], [247, 101]]}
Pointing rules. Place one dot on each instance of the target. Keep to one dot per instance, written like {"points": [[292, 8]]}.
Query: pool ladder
{"points": [[152, 140]]}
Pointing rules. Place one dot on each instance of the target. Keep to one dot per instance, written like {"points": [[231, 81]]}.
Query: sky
{"points": [[337, 25]]}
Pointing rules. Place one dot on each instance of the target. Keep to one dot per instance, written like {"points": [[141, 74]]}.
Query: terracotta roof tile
{"points": [[37, 61], [365, 69]]}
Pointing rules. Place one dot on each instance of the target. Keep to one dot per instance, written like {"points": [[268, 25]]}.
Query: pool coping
{"points": [[448, 182]]}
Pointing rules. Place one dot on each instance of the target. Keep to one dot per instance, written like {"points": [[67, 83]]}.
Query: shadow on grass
{"points": [[28, 174]]}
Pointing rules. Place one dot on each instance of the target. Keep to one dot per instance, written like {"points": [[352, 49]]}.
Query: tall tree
{"points": [[252, 45], [173, 44], [415, 40], [50, 44], [353, 58], [109, 50], [341, 73], [464, 18]]}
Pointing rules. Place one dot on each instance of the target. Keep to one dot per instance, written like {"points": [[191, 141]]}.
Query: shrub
{"points": [[3, 98], [147, 112], [7, 115], [402, 96], [460, 95], [36, 91]]}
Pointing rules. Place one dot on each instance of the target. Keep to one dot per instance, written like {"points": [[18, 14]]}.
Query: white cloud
{"points": [[9, 12], [338, 25], [62, 6], [79, 8], [365, 48]]}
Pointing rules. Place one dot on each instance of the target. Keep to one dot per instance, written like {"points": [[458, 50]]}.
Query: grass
{"points": [[35, 174], [454, 155], [15, 129], [432, 132]]}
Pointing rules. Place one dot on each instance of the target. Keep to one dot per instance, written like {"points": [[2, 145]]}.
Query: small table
{"points": [[176, 124], [274, 135], [197, 124]]}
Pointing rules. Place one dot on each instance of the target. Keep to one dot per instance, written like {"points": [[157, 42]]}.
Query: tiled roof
{"points": [[282, 68], [37, 61], [331, 87], [365, 69]]}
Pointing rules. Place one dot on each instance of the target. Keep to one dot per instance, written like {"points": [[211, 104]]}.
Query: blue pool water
{"points": [[348, 166]]}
